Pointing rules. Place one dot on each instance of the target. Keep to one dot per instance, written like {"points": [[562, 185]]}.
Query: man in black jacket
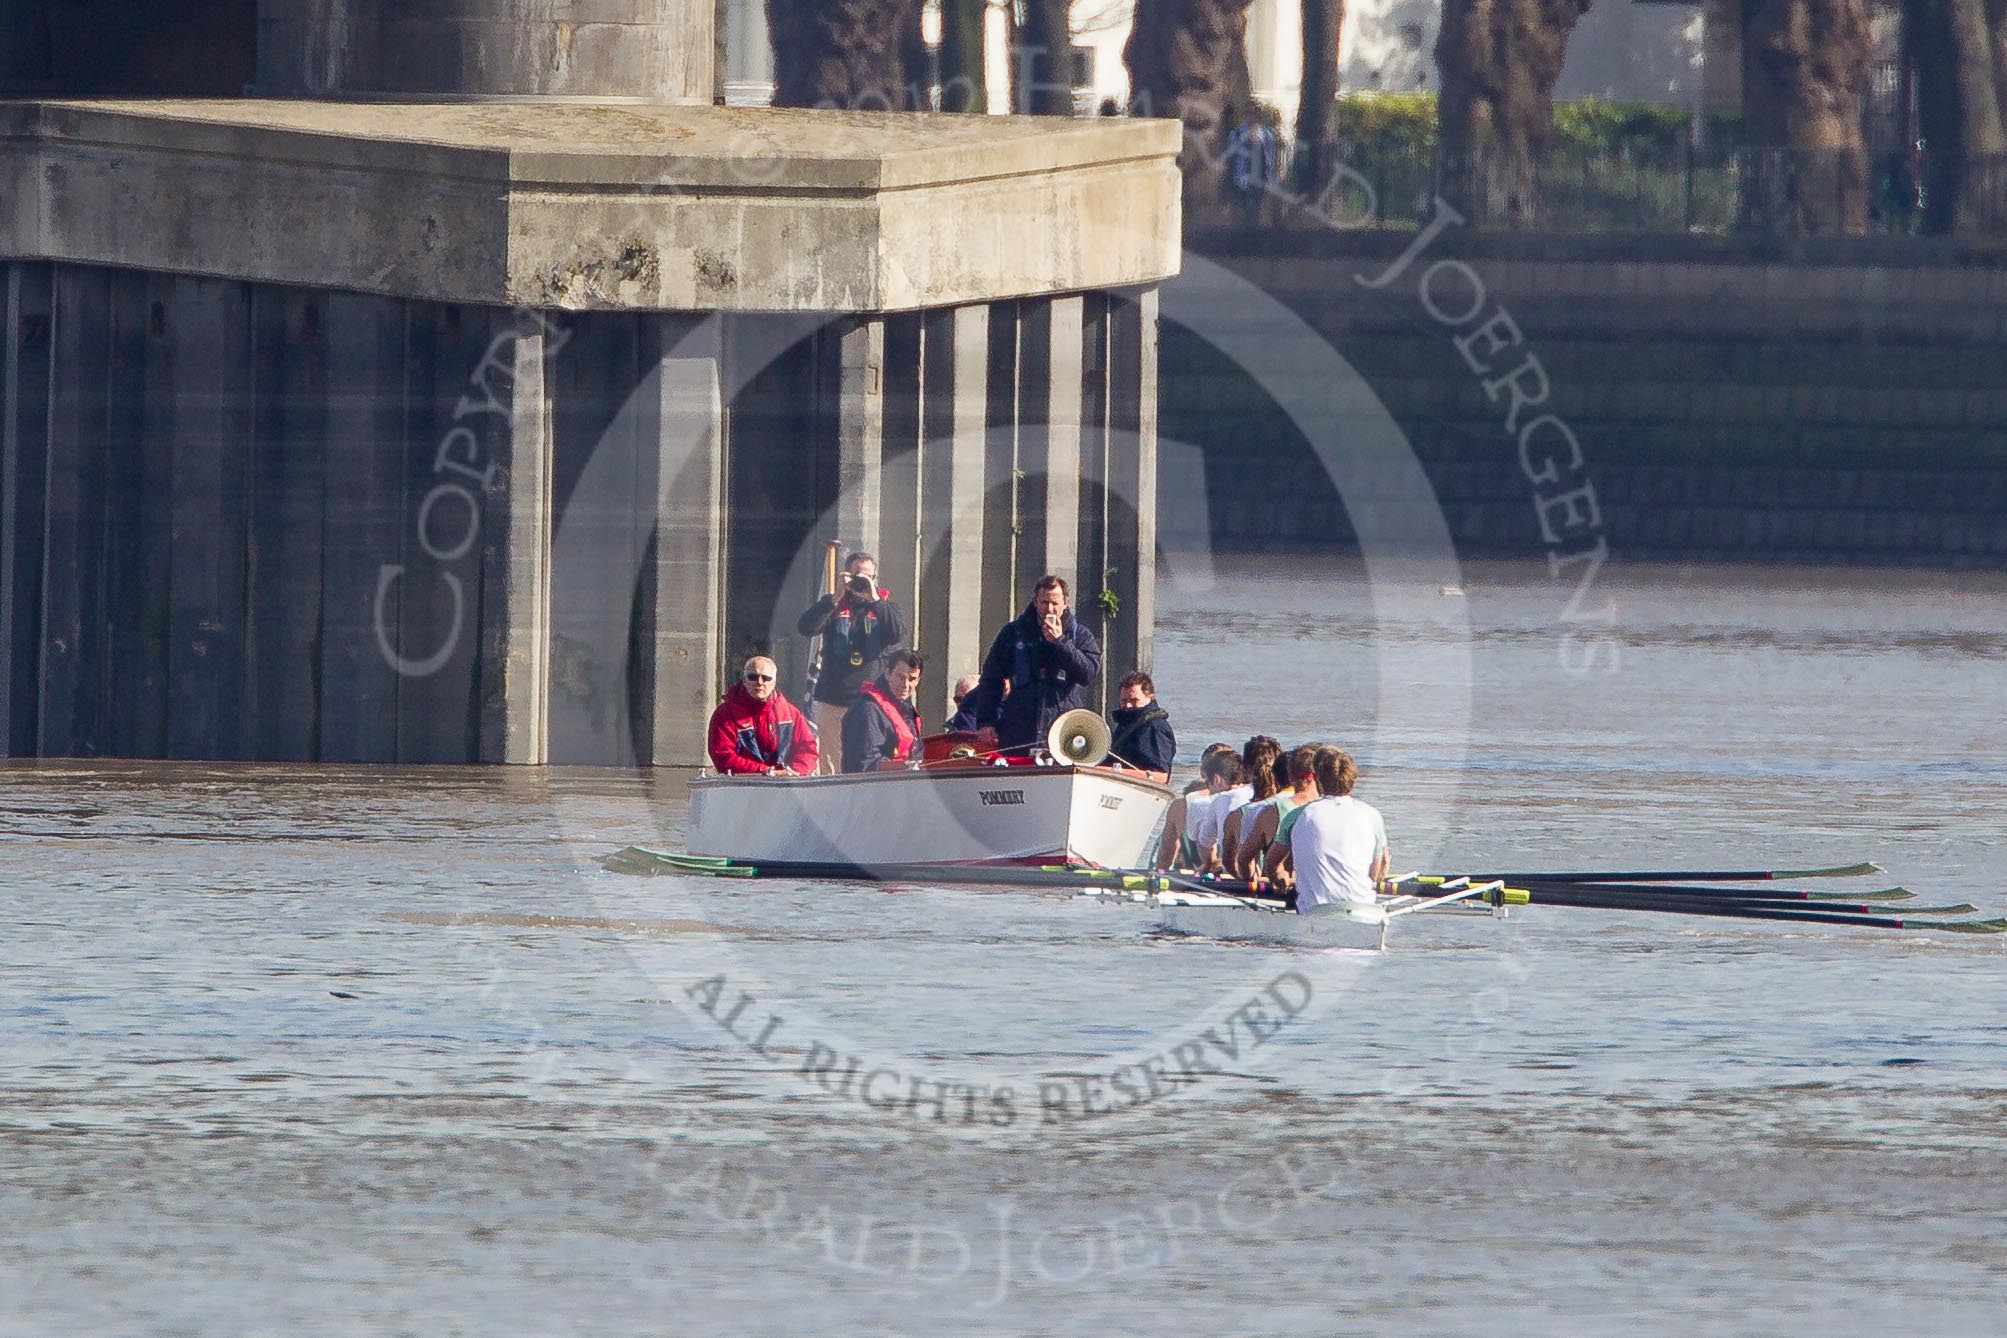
{"points": [[1143, 738], [1048, 659], [858, 624]]}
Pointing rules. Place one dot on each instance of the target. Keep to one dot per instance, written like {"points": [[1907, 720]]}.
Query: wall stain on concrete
{"points": [[634, 270]]}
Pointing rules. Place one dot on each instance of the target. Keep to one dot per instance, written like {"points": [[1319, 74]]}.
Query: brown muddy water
{"points": [[382, 1051]]}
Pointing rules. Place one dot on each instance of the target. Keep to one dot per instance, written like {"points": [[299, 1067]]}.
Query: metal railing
{"points": [[1678, 189]]}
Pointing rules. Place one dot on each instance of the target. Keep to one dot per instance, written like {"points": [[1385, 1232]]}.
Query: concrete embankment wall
{"points": [[1836, 402], [258, 521], [252, 521]]}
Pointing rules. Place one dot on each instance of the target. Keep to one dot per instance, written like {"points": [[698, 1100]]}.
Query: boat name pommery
{"points": [[1057, 1099], [994, 797]]}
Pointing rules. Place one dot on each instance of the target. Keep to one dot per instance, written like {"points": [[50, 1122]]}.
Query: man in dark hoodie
{"points": [[1143, 738], [1048, 660]]}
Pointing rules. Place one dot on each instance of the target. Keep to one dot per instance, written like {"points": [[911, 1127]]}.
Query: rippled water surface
{"points": [[361, 1051]]}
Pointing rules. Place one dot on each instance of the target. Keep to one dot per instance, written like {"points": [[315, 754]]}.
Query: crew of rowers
{"points": [[1289, 819], [1042, 664]]}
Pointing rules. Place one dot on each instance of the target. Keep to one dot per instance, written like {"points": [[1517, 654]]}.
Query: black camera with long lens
{"points": [[863, 587]]}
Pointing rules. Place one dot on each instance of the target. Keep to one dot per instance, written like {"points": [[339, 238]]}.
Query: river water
{"points": [[356, 1051]]}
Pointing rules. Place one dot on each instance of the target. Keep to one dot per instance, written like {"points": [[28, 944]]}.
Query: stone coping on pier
{"points": [[596, 207]]}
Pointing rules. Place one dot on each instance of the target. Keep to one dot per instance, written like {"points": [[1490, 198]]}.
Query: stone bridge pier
{"points": [[498, 429]]}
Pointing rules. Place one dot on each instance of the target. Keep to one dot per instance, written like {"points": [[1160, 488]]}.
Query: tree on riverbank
{"points": [[1317, 108], [1498, 61], [965, 85], [1043, 67], [1188, 59], [841, 53], [1804, 76], [1960, 48]]}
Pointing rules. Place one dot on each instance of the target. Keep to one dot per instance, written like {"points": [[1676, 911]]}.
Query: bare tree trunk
{"points": [[1996, 23], [841, 53], [1317, 109], [1984, 144], [916, 61], [964, 76], [1188, 59], [1804, 75], [1044, 63], [1961, 64], [1499, 61]]}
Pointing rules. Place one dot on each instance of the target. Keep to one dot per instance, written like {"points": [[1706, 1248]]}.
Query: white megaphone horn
{"points": [[1079, 738]]}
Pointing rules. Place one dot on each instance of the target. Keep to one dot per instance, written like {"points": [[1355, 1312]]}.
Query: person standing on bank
{"points": [[1143, 737], [1253, 161], [857, 623], [757, 731], [1046, 659], [884, 725]]}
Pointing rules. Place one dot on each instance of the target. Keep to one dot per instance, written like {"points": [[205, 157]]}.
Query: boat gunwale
{"points": [[716, 779]]}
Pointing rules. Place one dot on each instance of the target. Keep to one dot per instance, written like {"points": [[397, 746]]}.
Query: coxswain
{"points": [[757, 731], [1039, 667], [1263, 844], [1143, 738], [1257, 773], [857, 624], [1338, 844], [884, 726]]}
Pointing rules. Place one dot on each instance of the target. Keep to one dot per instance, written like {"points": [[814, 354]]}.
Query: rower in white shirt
{"points": [[1338, 844], [1205, 814]]}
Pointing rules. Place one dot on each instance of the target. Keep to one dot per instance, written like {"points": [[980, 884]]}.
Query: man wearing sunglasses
{"points": [[757, 731]]}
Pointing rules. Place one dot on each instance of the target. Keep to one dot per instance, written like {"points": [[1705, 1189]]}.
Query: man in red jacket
{"points": [[756, 731]]}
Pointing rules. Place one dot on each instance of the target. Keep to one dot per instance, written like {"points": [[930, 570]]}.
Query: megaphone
{"points": [[1079, 738]]}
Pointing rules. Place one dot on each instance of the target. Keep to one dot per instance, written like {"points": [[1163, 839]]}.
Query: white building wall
{"points": [[1388, 46], [1634, 50], [1635, 53]]}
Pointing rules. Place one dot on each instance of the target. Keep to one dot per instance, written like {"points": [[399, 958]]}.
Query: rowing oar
{"points": [[1751, 891], [1733, 910], [1713, 897], [1260, 890], [639, 859], [1690, 875]]}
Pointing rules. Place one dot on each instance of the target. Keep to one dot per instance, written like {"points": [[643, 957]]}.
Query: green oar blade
{"points": [[643, 860], [1970, 927], [1861, 870]]}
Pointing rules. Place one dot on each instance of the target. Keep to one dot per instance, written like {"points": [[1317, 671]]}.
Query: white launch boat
{"points": [[959, 812]]}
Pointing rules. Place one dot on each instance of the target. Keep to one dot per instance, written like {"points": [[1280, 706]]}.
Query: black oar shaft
{"points": [[1721, 910], [1751, 893], [1684, 875], [988, 875]]}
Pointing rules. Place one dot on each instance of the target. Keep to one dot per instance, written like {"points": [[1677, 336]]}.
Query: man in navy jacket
{"points": [[1143, 739], [1048, 659]]}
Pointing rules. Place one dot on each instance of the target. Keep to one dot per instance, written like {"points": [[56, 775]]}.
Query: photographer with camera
{"points": [[858, 624]]}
